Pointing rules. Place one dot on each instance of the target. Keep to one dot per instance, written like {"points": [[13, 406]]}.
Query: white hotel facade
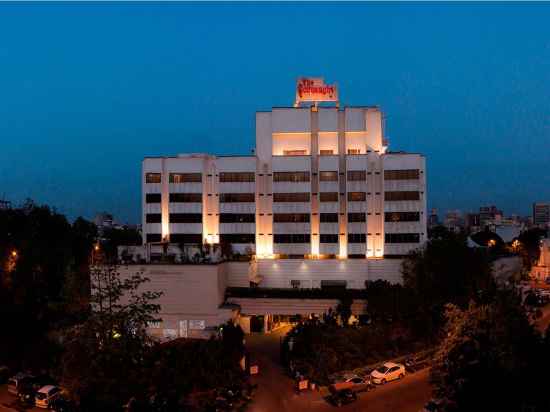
{"points": [[321, 184], [322, 202]]}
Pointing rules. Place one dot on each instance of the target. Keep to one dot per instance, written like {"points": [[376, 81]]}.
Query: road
{"points": [[276, 393]]}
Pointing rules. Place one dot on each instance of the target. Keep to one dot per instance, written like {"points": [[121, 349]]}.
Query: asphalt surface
{"points": [[276, 391]]}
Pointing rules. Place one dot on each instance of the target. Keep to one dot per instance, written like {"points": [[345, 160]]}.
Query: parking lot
{"points": [[276, 391]]}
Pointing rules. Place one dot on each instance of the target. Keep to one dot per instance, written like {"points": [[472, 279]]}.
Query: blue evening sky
{"points": [[88, 90]]}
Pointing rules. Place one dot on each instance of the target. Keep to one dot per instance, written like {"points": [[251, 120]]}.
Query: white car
{"points": [[46, 395], [388, 372]]}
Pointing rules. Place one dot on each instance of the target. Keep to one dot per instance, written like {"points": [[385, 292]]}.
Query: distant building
{"points": [[472, 223], [541, 214], [489, 214], [454, 221], [433, 219], [5, 204]]}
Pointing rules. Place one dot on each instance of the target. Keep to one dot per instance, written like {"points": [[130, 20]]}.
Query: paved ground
{"points": [[276, 393]]}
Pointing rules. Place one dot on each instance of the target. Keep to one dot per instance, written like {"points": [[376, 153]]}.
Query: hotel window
{"points": [[153, 218], [354, 151], [295, 284], [185, 197], [357, 196], [237, 217], [328, 217], [357, 238], [152, 198], [291, 217], [194, 238], [152, 177], [357, 217], [328, 197], [328, 176], [402, 237], [291, 197], [291, 176], [405, 174], [357, 175], [403, 195], [329, 238], [323, 152], [294, 152], [237, 238], [236, 177], [153, 237], [402, 216], [292, 238], [237, 197], [185, 177], [185, 217]]}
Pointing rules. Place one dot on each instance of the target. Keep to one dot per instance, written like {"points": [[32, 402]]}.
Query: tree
{"points": [[489, 353], [446, 270], [37, 256], [102, 366]]}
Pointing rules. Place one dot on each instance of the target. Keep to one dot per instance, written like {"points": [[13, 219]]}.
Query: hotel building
{"points": [[322, 202], [321, 183]]}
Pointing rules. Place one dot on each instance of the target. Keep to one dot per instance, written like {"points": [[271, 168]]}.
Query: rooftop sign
{"points": [[315, 90]]}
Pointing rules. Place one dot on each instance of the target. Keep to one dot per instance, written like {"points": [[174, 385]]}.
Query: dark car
{"points": [[26, 393], [343, 397], [62, 404]]}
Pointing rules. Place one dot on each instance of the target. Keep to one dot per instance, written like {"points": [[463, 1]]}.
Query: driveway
{"points": [[276, 390]]}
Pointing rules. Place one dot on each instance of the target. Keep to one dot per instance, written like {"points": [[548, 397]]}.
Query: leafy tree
{"points": [[446, 270], [104, 357], [490, 359], [37, 257]]}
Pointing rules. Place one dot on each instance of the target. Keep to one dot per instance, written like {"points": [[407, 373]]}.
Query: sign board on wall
{"points": [[314, 89], [197, 324]]}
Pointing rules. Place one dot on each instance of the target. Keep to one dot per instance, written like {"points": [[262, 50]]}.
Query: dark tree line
{"points": [[44, 279]]}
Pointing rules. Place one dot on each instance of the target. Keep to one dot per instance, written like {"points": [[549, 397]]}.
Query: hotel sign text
{"points": [[315, 90]]}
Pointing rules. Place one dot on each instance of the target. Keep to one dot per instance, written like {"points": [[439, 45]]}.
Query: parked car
{"points": [[19, 380], [25, 394], [388, 372], [62, 404], [352, 382], [342, 397], [46, 395]]}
